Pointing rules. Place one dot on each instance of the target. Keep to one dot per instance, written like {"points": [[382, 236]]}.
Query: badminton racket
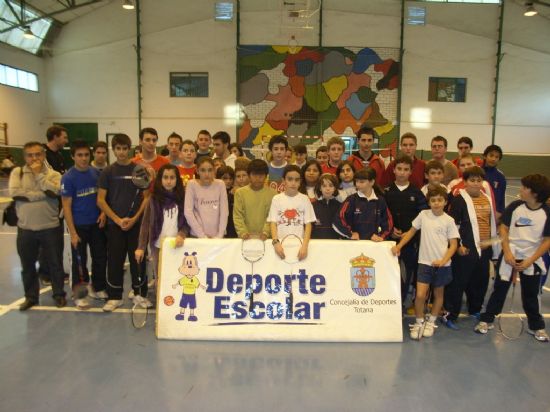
{"points": [[424, 311], [141, 180], [140, 308], [252, 250], [510, 325], [291, 246], [80, 290]]}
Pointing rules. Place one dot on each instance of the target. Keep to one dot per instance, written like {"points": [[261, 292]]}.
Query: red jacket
{"points": [[374, 162], [327, 168]]}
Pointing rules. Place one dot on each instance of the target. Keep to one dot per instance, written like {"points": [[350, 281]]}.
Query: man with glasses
{"points": [[35, 189]]}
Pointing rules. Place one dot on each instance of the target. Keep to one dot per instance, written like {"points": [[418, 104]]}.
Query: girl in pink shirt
{"points": [[206, 209]]}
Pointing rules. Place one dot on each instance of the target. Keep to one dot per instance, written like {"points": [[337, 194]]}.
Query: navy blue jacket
{"points": [[325, 212], [404, 205], [367, 217], [497, 180]]}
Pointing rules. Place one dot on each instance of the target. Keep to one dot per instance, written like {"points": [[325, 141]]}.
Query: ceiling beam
{"points": [[17, 17], [46, 15]]}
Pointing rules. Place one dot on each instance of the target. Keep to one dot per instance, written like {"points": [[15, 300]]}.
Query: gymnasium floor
{"points": [[60, 359]]}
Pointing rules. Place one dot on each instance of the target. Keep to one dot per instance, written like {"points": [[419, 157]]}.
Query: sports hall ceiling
{"points": [[64, 11]]}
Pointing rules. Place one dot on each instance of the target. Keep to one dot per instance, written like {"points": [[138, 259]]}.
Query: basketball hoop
{"points": [[293, 45]]}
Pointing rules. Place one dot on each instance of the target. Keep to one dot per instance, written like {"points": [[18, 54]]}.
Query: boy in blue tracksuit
{"points": [[364, 215]]}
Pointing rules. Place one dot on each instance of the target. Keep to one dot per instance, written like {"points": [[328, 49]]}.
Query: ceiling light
{"points": [[128, 5], [530, 10], [28, 34]]}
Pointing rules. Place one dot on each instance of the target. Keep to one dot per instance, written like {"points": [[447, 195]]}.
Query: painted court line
{"points": [[152, 311], [504, 315], [73, 309], [15, 304]]}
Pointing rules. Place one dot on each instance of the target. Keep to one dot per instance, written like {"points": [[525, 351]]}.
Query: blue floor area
{"points": [[52, 360], [98, 362]]}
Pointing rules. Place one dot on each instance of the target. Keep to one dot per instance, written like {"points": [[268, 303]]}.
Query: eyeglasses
{"points": [[34, 155]]}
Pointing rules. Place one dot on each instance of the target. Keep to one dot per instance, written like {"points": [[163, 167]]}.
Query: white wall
{"points": [[93, 70], [22, 109], [434, 50], [91, 76]]}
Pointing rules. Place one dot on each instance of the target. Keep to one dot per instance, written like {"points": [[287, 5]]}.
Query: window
{"points": [[416, 16], [447, 89], [15, 37], [10, 76], [223, 11], [188, 84]]}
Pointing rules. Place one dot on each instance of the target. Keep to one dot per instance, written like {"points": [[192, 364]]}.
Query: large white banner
{"points": [[343, 291]]}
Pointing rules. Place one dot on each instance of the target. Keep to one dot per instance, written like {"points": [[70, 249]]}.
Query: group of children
{"points": [[195, 193]]}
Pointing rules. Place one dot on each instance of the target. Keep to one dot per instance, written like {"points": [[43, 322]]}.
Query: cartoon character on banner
{"points": [[189, 270]]}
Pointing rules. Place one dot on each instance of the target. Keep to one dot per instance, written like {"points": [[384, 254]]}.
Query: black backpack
{"points": [[10, 214]]}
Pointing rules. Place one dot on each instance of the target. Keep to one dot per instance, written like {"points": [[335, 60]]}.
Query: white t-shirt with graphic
{"points": [[527, 228], [436, 231], [291, 213]]}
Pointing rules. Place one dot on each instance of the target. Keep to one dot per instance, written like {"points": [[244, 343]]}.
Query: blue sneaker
{"points": [[451, 324]]}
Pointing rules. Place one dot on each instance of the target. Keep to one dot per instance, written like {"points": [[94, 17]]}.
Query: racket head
{"points": [[291, 245], [141, 178], [510, 325], [80, 290], [139, 315], [253, 249]]}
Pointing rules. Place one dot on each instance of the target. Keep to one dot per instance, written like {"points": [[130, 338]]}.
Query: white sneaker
{"points": [[97, 295], [483, 327], [112, 304], [143, 302], [416, 330], [152, 283], [82, 304], [131, 294], [429, 329], [102, 295], [539, 335]]}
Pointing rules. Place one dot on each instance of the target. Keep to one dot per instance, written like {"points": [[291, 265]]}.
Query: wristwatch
{"points": [[275, 241]]}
